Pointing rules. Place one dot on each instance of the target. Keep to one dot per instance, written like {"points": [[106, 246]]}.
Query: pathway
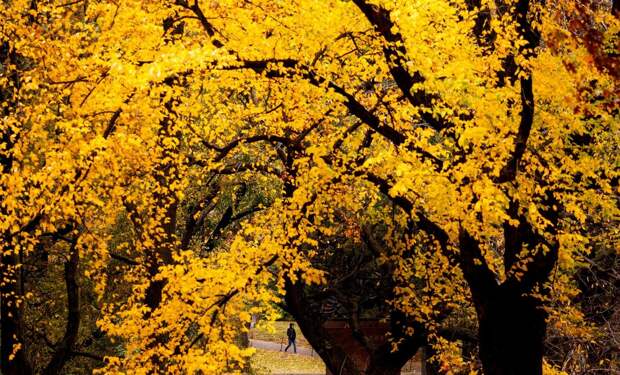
{"points": [[409, 369], [276, 347]]}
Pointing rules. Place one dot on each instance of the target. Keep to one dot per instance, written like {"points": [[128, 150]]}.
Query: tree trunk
{"points": [[384, 360], [166, 205], [429, 367], [11, 282], [311, 325], [244, 342], [13, 360], [63, 349], [511, 333], [511, 323], [382, 371]]}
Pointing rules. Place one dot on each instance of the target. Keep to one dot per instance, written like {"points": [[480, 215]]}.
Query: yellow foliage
{"points": [[124, 109]]}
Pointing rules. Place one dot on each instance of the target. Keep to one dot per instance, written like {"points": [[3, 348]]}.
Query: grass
{"points": [[276, 332], [268, 362]]}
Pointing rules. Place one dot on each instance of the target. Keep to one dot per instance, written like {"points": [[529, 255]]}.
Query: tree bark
{"points": [[385, 360], [429, 367], [382, 371], [311, 325], [512, 332], [65, 347], [165, 208], [511, 322], [13, 361], [382, 360], [11, 282]]}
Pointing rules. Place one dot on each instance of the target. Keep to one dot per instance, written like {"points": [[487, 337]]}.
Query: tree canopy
{"points": [[190, 163]]}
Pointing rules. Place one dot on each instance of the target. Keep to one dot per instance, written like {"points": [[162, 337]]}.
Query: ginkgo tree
{"points": [[47, 156], [491, 125], [490, 140]]}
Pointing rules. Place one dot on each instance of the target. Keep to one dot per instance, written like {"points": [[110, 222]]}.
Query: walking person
{"points": [[292, 335]]}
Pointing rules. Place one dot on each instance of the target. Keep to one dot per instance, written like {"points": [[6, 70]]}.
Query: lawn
{"points": [[268, 362], [276, 332]]}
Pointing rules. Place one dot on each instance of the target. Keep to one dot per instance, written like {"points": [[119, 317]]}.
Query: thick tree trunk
{"points": [[511, 333], [511, 323]]}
